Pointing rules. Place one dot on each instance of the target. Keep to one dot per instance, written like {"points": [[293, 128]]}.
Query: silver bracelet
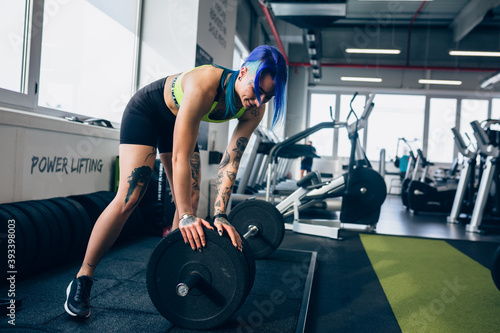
{"points": [[188, 216]]}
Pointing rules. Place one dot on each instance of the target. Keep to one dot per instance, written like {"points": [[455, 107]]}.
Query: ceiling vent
{"points": [[309, 14]]}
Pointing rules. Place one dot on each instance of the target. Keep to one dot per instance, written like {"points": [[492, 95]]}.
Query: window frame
{"points": [[362, 133], [458, 95], [428, 122], [27, 100], [335, 115]]}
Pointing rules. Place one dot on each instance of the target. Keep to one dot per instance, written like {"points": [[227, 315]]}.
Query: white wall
{"points": [[171, 32], [168, 38], [82, 157], [216, 31], [296, 109]]}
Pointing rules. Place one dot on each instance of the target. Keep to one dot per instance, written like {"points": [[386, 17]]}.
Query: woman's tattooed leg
{"points": [[139, 179]]}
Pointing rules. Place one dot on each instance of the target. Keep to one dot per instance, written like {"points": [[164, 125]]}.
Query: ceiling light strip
{"points": [[373, 51], [361, 79], [474, 53], [444, 82], [309, 9], [395, 0]]}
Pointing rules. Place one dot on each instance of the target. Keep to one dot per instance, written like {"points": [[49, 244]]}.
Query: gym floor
{"points": [[346, 296], [395, 220]]}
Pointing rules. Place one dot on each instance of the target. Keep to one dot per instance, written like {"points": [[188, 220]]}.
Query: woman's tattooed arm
{"points": [[226, 175], [195, 171], [241, 145]]}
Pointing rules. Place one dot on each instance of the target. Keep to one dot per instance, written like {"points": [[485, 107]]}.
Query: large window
{"points": [[344, 146], [495, 108], [472, 109], [442, 117], [88, 57], [13, 30], [393, 117], [320, 112]]}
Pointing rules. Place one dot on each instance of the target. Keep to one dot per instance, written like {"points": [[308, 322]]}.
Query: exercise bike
{"points": [[412, 170], [435, 196]]}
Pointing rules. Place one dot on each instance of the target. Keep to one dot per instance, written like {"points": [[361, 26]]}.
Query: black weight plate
{"points": [[62, 220], [53, 227], [135, 226], [75, 221], [132, 227], [265, 216], [42, 233], [247, 251], [374, 184], [92, 204], [250, 259], [366, 192], [223, 268], [107, 196], [26, 253], [495, 268], [87, 225]]}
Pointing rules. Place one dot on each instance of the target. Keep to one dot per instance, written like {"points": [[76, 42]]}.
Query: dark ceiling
{"points": [[424, 31]]}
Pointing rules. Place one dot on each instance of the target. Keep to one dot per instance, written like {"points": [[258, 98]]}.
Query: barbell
{"points": [[261, 224], [202, 290]]}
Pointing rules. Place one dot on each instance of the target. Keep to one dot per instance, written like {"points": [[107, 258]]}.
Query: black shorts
{"points": [[147, 120], [306, 167], [306, 164]]}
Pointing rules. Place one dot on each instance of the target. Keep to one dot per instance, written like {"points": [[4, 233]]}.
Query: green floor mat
{"points": [[433, 287]]}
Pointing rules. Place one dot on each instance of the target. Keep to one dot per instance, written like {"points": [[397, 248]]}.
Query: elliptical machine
{"points": [[362, 189], [463, 202], [487, 205]]}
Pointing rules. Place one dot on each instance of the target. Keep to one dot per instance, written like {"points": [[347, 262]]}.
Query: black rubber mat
{"points": [[346, 294], [120, 301], [482, 252]]}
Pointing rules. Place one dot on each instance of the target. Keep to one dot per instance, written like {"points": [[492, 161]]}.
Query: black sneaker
{"points": [[78, 297]]}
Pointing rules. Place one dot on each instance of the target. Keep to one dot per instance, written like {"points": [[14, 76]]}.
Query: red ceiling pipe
{"points": [[409, 32], [398, 67], [273, 29]]}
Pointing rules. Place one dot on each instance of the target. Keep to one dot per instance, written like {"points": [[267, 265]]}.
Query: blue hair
{"points": [[231, 106], [265, 59]]}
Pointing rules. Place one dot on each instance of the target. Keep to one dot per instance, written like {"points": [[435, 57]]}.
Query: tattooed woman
{"points": [[165, 115]]}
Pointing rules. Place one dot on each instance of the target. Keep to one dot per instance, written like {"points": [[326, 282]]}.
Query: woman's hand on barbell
{"points": [[191, 228], [222, 224]]}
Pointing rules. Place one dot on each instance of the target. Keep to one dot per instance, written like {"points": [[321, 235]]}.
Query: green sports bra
{"points": [[212, 116]]}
